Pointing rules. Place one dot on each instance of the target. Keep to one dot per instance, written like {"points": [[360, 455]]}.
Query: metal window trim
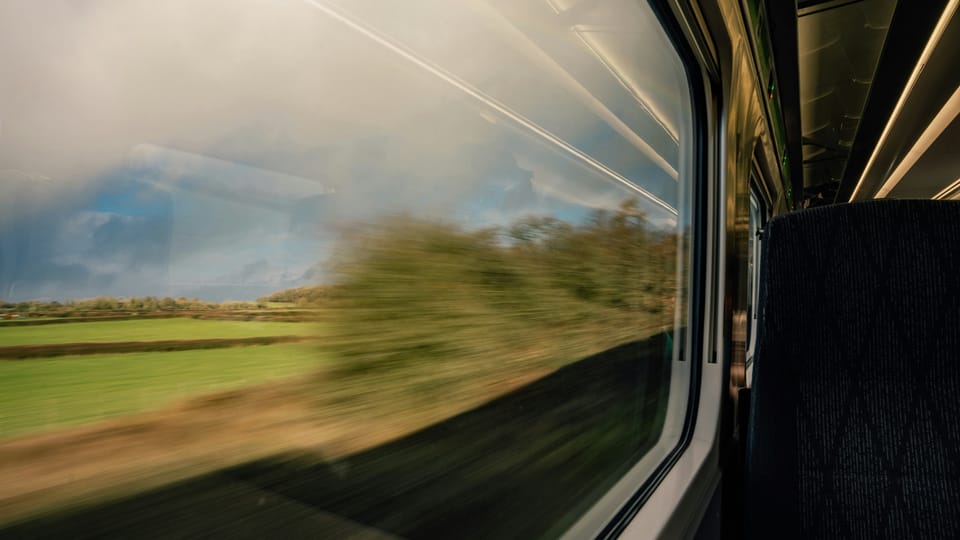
{"points": [[683, 483]]}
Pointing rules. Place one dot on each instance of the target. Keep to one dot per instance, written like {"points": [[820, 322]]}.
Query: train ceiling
{"points": [[871, 122]]}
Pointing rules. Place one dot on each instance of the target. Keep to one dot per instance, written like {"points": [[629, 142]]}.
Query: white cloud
{"points": [[85, 82]]}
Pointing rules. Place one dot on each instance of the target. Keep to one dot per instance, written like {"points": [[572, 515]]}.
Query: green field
{"points": [[149, 330], [37, 395]]}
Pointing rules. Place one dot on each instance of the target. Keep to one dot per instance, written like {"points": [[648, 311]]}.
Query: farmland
{"points": [[147, 330], [39, 394], [42, 394]]}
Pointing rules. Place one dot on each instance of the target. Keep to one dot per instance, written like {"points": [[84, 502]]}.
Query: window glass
{"points": [[416, 268], [753, 274]]}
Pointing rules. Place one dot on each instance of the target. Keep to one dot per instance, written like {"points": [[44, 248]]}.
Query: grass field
{"points": [[38, 395], [149, 330]]}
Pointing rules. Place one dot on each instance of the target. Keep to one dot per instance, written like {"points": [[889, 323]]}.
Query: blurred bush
{"points": [[417, 296]]}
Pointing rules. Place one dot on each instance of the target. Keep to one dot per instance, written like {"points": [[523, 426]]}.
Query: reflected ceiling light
{"points": [[945, 17], [444, 75], [523, 43], [645, 103]]}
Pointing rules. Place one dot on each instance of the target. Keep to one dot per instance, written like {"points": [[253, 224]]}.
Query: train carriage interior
{"points": [[676, 269]]}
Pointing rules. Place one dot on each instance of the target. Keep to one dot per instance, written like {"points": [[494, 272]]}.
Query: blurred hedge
{"points": [[424, 295]]}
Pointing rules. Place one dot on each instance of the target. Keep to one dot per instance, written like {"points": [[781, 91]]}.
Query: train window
{"points": [[753, 276], [417, 267]]}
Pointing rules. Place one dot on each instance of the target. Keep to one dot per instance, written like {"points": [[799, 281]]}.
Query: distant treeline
{"points": [[133, 303], [412, 293], [301, 296]]}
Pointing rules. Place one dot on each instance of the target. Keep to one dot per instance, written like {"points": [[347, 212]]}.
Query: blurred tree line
{"points": [[301, 296], [412, 293], [111, 303]]}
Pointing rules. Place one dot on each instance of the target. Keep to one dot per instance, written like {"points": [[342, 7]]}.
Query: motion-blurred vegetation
{"points": [[301, 296], [416, 295]]}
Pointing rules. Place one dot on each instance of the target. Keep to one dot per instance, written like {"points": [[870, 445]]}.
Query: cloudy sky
{"points": [[214, 148]]}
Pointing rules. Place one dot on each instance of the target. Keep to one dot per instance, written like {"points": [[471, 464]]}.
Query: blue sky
{"points": [[139, 231]]}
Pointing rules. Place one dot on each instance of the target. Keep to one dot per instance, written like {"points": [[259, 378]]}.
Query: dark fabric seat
{"points": [[855, 420]]}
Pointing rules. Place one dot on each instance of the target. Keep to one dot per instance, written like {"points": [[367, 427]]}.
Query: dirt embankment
{"points": [[126, 455], [114, 458]]}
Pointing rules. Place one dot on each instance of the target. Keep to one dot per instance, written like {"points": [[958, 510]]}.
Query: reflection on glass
{"points": [[408, 269], [753, 262]]}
